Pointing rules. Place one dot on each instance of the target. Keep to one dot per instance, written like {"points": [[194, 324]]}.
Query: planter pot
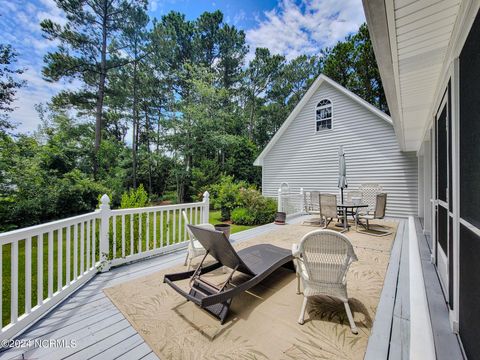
{"points": [[225, 228], [280, 218]]}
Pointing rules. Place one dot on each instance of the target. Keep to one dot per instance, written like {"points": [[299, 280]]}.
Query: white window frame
{"points": [[319, 107]]}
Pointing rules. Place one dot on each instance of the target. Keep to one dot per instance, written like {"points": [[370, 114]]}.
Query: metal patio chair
{"points": [[328, 208], [378, 213]]}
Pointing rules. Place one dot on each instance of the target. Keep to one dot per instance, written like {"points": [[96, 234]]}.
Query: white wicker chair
{"points": [[322, 260], [328, 208], [195, 249]]}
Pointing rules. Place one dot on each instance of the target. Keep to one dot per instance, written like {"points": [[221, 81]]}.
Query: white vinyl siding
{"points": [[308, 159]]}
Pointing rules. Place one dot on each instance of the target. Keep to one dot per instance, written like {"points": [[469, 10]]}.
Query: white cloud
{"points": [[293, 29]]}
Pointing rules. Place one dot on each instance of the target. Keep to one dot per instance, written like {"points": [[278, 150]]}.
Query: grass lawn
{"points": [[214, 218]]}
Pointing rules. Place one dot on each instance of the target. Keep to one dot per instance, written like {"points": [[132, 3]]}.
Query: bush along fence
{"points": [[43, 264]]}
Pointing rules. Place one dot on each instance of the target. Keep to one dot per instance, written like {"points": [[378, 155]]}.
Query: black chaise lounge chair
{"points": [[257, 261]]}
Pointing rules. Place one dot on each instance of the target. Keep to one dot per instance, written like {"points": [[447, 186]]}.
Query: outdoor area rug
{"points": [[262, 323]]}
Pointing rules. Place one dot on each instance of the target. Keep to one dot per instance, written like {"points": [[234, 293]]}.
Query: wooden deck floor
{"points": [[89, 319]]}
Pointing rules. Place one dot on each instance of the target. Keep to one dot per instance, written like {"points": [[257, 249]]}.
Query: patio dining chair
{"points": [[328, 208], [322, 260], [378, 213], [195, 249], [369, 195], [311, 202]]}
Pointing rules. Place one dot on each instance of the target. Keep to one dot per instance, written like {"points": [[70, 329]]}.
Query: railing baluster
{"points": [[131, 234], [154, 229], [180, 225], [174, 226], [94, 242], [87, 255], [196, 216], [14, 283], [123, 235], [40, 269], [147, 233], [161, 228], [75, 252], [60, 259], [168, 227], [114, 242], [68, 255], [50, 264], [139, 233], [28, 275], [82, 248]]}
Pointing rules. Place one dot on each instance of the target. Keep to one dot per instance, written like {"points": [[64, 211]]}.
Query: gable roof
{"points": [[313, 88]]}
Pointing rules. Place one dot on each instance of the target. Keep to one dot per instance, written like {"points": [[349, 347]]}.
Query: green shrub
{"points": [[242, 216], [225, 195], [255, 209], [171, 196], [134, 198]]}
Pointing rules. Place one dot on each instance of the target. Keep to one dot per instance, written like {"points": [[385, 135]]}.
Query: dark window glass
{"points": [[442, 164]]}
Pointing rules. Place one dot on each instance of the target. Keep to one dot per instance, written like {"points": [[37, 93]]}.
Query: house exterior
{"points": [[304, 151], [428, 54]]}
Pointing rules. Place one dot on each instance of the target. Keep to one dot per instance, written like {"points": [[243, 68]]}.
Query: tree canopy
{"points": [[170, 104]]}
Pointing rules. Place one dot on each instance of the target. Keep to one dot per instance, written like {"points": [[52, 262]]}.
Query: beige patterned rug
{"points": [[262, 323]]}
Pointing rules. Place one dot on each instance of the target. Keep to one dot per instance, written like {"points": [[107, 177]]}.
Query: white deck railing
{"points": [[291, 203], [41, 265]]}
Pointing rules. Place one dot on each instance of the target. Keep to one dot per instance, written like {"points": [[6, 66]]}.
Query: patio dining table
{"points": [[344, 207]]}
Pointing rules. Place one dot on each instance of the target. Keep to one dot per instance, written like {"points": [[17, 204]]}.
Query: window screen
{"points": [[470, 127]]}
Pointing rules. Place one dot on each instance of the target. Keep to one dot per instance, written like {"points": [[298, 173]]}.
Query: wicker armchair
{"points": [[195, 249], [322, 260], [328, 208]]}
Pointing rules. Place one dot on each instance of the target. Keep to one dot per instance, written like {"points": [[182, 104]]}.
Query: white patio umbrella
{"points": [[342, 171]]}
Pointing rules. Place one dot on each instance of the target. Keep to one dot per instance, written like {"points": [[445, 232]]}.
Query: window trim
{"points": [[317, 107]]}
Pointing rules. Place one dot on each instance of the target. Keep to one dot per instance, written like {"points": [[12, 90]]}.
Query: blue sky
{"points": [[287, 27]]}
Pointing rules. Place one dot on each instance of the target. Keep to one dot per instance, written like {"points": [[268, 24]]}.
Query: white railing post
{"points": [[302, 201], [206, 207], [104, 230], [279, 200]]}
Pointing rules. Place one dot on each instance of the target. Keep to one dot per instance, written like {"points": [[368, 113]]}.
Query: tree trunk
{"points": [[101, 89], [136, 129], [147, 124]]}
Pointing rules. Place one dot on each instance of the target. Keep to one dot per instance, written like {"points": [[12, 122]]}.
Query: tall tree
{"points": [[9, 84], [84, 51]]}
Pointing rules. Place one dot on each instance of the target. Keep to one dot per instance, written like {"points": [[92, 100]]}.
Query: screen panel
{"points": [[469, 310], [450, 262], [442, 228], [442, 163], [470, 126]]}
